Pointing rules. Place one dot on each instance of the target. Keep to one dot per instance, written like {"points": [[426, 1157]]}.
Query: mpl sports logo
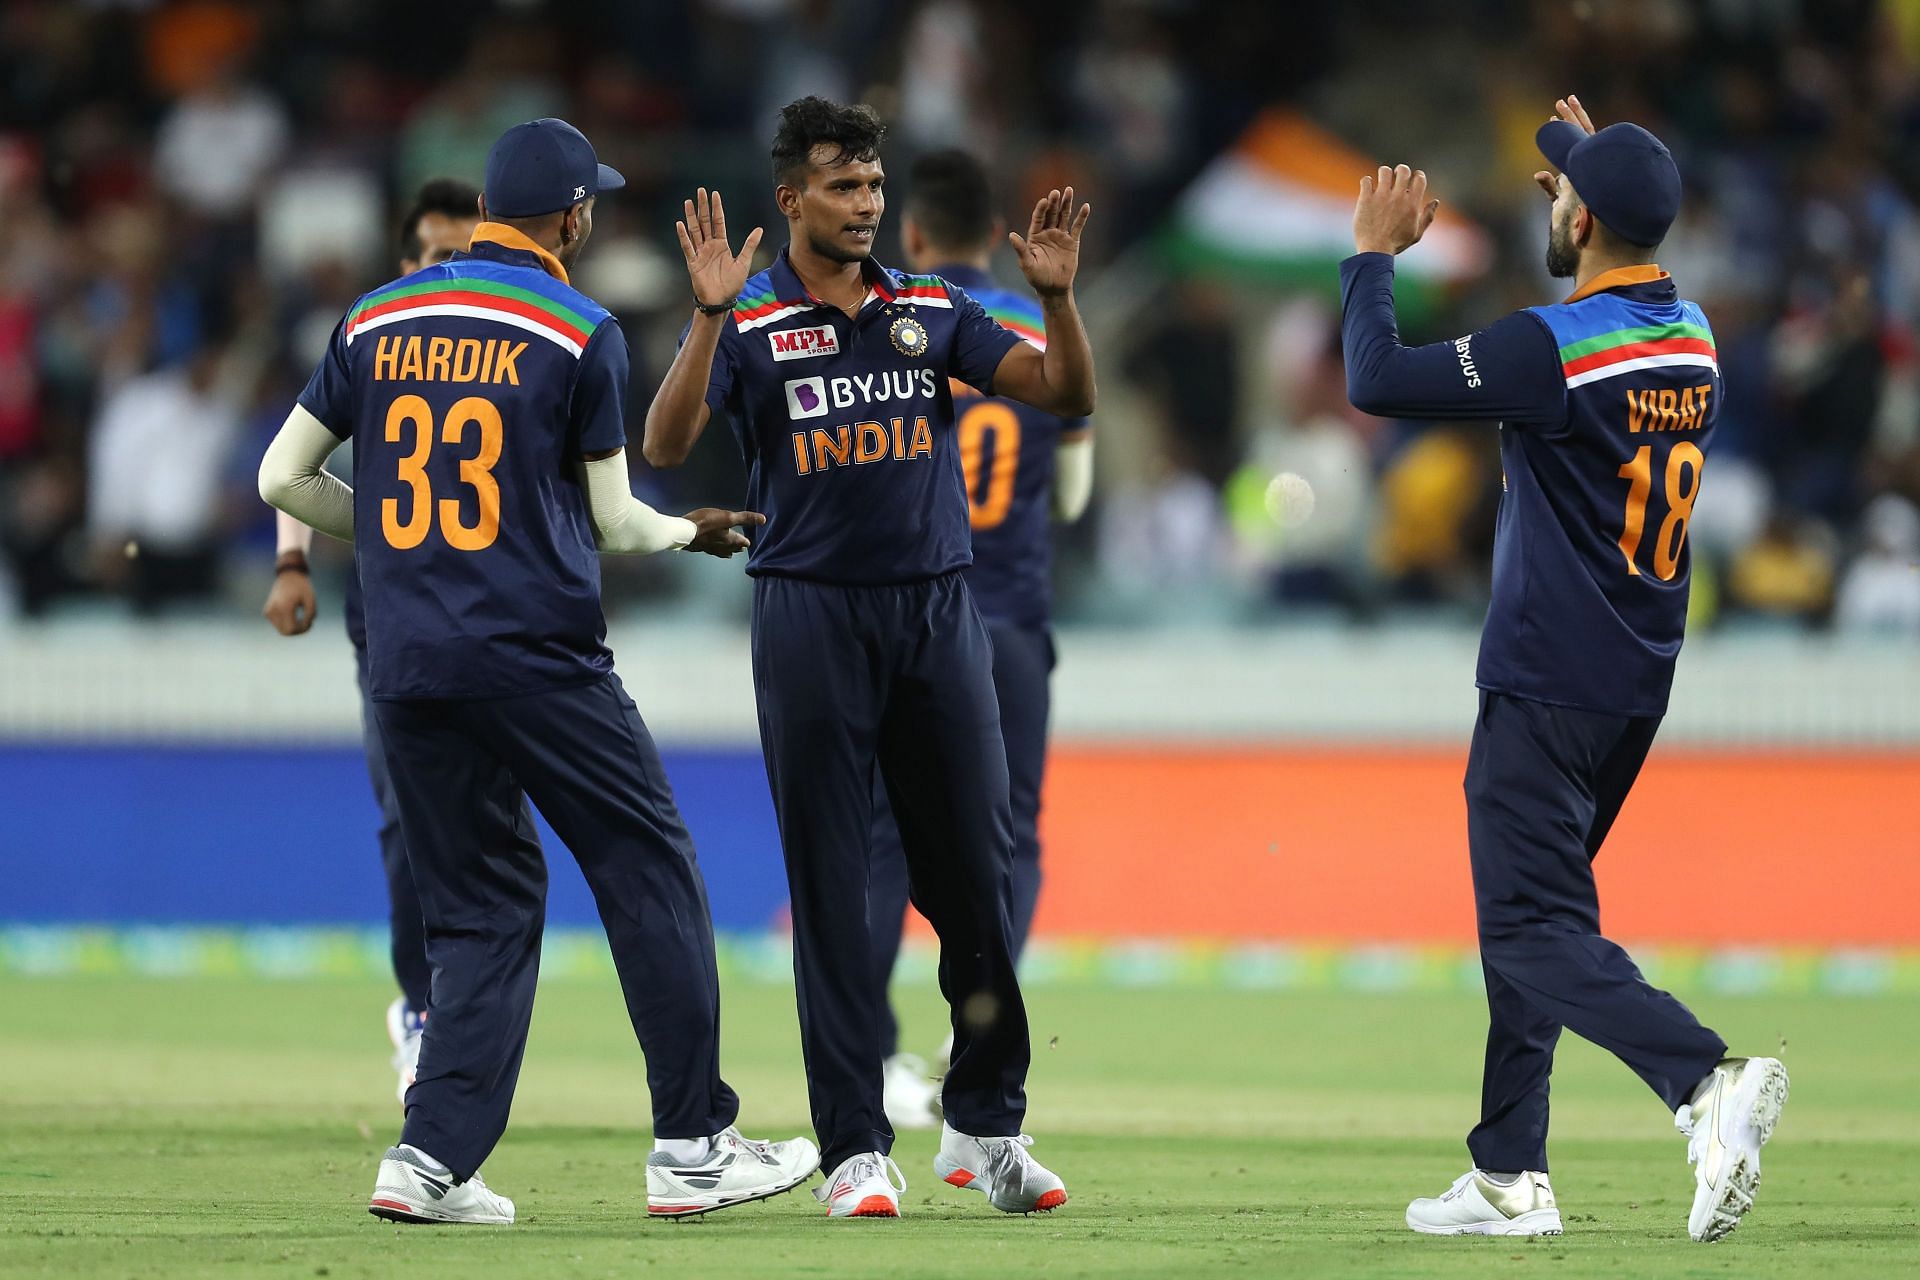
{"points": [[804, 344]]}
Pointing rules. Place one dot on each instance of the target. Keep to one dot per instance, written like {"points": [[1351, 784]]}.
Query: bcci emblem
{"points": [[909, 336]]}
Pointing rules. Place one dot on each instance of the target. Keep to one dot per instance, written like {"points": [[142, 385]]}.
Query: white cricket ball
{"points": [[1289, 500]]}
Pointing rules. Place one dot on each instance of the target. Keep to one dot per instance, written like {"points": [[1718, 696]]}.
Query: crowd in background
{"points": [[192, 193]]}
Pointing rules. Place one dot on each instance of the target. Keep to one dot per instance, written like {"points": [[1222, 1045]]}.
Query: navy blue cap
{"points": [[541, 166], [1623, 173]]}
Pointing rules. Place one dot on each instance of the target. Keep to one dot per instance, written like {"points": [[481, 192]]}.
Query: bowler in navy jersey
{"points": [[1606, 404], [1024, 469], [869, 653], [486, 399]]}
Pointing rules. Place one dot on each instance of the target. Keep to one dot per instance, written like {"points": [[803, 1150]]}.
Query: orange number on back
{"points": [[988, 510], [413, 473], [476, 471], [1681, 490]]}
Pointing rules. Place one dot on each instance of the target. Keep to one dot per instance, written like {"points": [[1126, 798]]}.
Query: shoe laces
{"points": [[1005, 1155], [861, 1168], [759, 1148]]}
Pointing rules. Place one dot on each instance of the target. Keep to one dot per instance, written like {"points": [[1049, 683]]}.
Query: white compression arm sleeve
{"points": [[1072, 478], [294, 479], [290, 535], [621, 522]]}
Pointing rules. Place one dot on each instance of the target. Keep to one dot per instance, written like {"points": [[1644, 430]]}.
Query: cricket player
{"points": [[868, 650], [1024, 469], [485, 399], [1606, 404], [439, 222]]}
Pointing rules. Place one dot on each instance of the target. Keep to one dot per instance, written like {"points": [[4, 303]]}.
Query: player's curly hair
{"points": [[854, 131]]}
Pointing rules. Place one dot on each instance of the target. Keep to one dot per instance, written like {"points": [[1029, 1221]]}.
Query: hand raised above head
{"points": [[718, 273], [1393, 210]]}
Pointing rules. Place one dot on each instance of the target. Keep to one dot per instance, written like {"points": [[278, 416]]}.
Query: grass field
{"points": [[230, 1127]]}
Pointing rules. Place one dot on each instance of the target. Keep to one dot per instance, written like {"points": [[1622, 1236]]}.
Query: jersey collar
{"points": [[787, 285], [502, 243], [1619, 278]]}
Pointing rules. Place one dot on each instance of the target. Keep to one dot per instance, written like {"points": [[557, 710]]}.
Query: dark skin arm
{"points": [[679, 411], [1058, 380]]}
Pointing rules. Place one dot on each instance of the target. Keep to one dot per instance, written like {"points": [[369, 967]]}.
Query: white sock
{"points": [[433, 1166], [686, 1150], [1500, 1179]]}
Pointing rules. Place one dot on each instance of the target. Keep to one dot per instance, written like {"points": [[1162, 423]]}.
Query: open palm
{"points": [[1050, 251], [717, 272]]}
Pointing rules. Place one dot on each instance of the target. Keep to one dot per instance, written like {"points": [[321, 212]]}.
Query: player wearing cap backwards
{"points": [[1024, 470], [1606, 404], [485, 399], [438, 223], [868, 651]]}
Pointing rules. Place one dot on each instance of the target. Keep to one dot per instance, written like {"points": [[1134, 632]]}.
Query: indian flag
{"points": [[1277, 208]]}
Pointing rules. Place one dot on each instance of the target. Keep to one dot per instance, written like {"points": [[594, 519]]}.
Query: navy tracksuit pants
{"points": [[1544, 784], [1023, 658], [460, 768], [407, 934], [898, 679]]}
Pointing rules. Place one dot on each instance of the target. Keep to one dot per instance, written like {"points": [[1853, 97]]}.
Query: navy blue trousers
{"points": [[406, 932], [1023, 659], [1544, 785], [462, 770], [899, 679]]}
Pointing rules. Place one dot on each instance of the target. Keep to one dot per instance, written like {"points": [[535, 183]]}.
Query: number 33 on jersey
{"points": [[470, 390]]}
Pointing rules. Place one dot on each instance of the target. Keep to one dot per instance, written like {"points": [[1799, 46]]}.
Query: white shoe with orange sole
{"points": [[868, 1185], [1012, 1180]]}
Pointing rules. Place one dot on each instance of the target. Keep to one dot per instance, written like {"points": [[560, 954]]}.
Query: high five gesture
{"points": [[1050, 252], [717, 272]]}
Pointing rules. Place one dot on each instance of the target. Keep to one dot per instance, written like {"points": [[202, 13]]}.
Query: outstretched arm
{"points": [[1509, 371], [1058, 380], [680, 411]]}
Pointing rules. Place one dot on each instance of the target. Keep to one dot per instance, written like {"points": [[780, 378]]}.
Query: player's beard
{"points": [[1563, 259]]}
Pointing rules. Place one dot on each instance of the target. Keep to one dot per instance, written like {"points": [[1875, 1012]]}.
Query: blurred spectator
{"points": [[1188, 364], [217, 145], [158, 455], [1787, 573], [1436, 499], [1881, 591]]}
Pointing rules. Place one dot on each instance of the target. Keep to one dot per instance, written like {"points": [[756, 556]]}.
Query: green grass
{"points": [[230, 1128]]}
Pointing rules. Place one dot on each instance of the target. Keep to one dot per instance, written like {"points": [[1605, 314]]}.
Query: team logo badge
{"points": [[909, 336], [806, 397]]}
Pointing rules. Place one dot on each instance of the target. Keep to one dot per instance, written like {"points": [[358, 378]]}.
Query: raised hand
{"points": [[1050, 252], [1393, 211], [1570, 110], [717, 535], [717, 272]]}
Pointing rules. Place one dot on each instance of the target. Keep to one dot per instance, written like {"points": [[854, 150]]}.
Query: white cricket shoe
{"points": [[737, 1170], [1726, 1125], [414, 1187], [1473, 1206], [1014, 1182], [868, 1185], [911, 1097], [404, 1028]]}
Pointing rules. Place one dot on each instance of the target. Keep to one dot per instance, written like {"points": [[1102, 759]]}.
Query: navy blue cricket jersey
{"points": [[847, 424], [471, 389], [1606, 404], [1007, 455]]}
